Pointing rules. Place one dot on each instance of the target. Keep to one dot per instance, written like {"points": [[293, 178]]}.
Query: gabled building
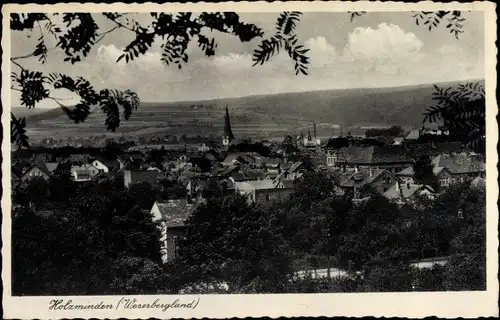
{"points": [[85, 172], [294, 171], [37, 170], [171, 216], [407, 192], [413, 134], [263, 191], [361, 182], [392, 158], [450, 169], [105, 166]]}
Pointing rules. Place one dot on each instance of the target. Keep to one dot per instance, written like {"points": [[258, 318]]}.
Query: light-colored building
{"points": [[360, 182], [450, 169], [83, 172], [264, 191], [171, 216]]}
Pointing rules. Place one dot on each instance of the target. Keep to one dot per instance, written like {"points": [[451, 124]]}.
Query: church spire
{"points": [[228, 133], [227, 126]]}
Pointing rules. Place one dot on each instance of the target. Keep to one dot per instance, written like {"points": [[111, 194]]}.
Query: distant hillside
{"points": [[263, 114]]}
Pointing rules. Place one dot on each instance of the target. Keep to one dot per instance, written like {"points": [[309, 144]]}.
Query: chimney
{"points": [[397, 185], [356, 169], [371, 172], [314, 130]]}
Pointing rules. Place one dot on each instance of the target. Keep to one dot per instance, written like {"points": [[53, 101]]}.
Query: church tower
{"points": [[228, 133]]}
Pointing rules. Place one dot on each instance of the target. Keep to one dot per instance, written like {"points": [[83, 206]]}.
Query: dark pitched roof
{"points": [[295, 166], [405, 190], [417, 150], [149, 176], [459, 163], [290, 148], [238, 176], [40, 166], [254, 174], [392, 153], [360, 178], [51, 166], [373, 154], [176, 212], [272, 161], [19, 167]]}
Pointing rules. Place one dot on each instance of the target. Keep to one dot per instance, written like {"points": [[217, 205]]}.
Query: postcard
{"points": [[251, 159]]}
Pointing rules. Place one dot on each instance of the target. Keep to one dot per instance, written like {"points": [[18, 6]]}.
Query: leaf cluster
{"points": [[432, 19], [284, 38], [462, 110]]}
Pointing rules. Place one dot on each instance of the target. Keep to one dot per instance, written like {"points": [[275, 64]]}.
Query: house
{"points": [[292, 171], [131, 177], [406, 175], [271, 164], [360, 182], [263, 191], [289, 150], [104, 166], [404, 192], [203, 186], [37, 170], [180, 164], [450, 169], [413, 135], [398, 140], [84, 172], [392, 158], [237, 159], [171, 216], [203, 148]]}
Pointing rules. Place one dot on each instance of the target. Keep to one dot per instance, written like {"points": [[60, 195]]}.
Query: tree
{"points": [[229, 241], [424, 172], [101, 244], [79, 33], [373, 238], [34, 193], [144, 194], [328, 224], [467, 267], [462, 111]]}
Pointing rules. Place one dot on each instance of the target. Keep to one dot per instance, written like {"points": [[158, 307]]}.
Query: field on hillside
{"points": [[263, 116]]}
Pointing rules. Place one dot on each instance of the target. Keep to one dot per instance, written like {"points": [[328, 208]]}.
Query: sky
{"points": [[380, 49]]}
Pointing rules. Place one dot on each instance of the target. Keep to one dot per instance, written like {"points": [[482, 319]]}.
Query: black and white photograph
{"points": [[204, 152]]}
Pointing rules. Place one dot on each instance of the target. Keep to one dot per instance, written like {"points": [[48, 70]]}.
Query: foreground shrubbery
{"points": [[100, 240]]}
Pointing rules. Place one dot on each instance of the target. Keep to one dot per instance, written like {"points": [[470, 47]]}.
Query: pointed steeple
{"points": [[228, 133]]}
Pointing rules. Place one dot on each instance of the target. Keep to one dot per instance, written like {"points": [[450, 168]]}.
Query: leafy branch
{"points": [[462, 110], [355, 14], [431, 19], [285, 37], [18, 131]]}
